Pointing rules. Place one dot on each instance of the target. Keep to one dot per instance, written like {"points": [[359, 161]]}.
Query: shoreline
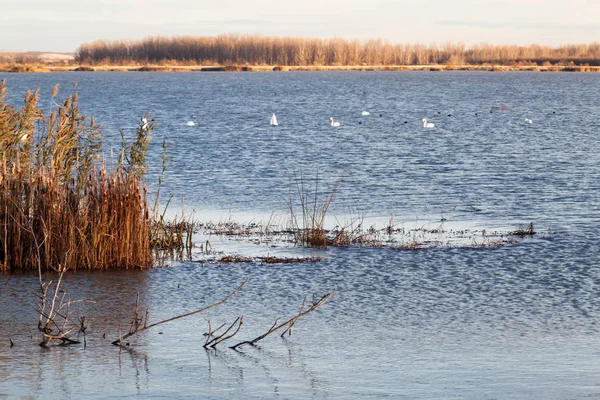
{"points": [[41, 68]]}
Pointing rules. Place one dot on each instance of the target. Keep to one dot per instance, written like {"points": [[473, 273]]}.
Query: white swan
{"points": [[529, 121], [274, 121], [427, 124], [334, 123], [190, 123], [365, 113]]}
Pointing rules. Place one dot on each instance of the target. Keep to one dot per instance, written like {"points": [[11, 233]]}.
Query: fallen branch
{"points": [[210, 332], [65, 340], [55, 321], [289, 323], [222, 337], [119, 341]]}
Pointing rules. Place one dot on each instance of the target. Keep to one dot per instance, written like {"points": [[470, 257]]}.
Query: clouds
{"points": [[62, 25], [520, 25]]}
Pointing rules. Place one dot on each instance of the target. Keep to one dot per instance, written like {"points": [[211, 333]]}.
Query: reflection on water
{"points": [[518, 321], [420, 324]]}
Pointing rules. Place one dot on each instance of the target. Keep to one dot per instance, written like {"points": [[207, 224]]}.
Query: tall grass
{"points": [[308, 225], [59, 203]]}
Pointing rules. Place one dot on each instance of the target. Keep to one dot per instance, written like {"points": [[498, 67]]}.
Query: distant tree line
{"points": [[289, 51]]}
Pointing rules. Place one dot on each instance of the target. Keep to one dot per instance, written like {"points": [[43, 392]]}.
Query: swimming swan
{"points": [[427, 124], [333, 123], [190, 123], [365, 113], [274, 121], [529, 121]]}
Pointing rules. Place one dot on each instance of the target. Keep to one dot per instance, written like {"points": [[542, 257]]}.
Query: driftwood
{"points": [[212, 340], [55, 321], [289, 323], [54, 306], [137, 327]]}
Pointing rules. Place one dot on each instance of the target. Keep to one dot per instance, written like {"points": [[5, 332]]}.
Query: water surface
{"points": [[518, 321]]}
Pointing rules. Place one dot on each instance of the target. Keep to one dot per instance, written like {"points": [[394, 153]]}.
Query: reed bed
{"points": [[60, 206], [251, 50]]}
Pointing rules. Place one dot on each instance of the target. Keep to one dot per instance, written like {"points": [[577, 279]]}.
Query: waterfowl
{"points": [[190, 123], [365, 113], [528, 120], [427, 124], [274, 121], [144, 123], [334, 123]]}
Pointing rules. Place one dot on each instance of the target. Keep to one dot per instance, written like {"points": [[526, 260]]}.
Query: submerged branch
{"points": [[289, 323], [119, 341], [222, 337]]}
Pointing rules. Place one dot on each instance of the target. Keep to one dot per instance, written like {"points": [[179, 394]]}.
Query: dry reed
{"points": [[59, 204], [310, 231]]}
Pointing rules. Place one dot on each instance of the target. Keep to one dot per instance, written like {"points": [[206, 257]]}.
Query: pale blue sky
{"points": [[62, 25]]}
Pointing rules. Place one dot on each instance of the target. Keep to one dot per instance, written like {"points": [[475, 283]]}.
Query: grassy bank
{"points": [[37, 67]]}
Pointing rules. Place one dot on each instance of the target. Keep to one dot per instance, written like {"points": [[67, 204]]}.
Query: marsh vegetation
{"points": [[61, 206], [294, 51]]}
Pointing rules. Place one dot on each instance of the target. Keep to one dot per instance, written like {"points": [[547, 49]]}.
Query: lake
{"points": [[449, 321]]}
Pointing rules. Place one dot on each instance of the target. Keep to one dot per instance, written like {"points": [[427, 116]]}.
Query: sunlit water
{"points": [[519, 321]]}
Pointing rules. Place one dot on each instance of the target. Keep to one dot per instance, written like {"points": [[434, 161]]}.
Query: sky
{"points": [[62, 25]]}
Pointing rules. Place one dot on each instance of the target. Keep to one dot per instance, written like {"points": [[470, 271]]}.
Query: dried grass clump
{"points": [[310, 230], [341, 239], [59, 204], [527, 231], [83, 68]]}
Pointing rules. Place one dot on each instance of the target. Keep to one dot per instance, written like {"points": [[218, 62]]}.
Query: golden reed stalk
{"points": [[59, 205]]}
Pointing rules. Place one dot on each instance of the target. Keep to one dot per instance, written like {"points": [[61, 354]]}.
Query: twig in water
{"points": [[119, 341], [239, 321], [55, 322], [289, 323]]}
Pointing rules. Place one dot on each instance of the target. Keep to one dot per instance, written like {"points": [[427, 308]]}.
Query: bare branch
{"points": [[221, 338], [210, 332], [119, 341], [291, 321], [288, 330]]}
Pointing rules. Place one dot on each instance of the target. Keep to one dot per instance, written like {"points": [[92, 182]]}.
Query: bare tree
{"points": [[257, 50]]}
